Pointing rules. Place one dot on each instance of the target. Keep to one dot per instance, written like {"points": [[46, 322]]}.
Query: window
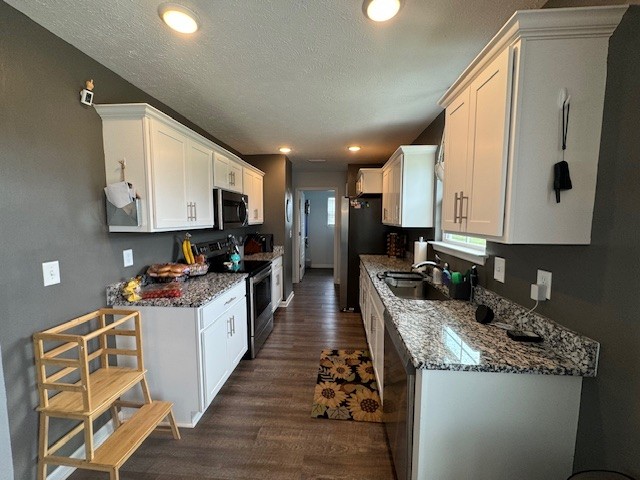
{"points": [[331, 211], [472, 249], [475, 243]]}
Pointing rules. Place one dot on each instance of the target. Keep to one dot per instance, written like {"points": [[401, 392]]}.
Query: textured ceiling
{"points": [[312, 74]]}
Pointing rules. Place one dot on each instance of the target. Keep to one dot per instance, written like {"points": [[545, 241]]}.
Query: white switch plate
{"points": [[51, 273], [544, 278], [499, 265], [127, 257]]}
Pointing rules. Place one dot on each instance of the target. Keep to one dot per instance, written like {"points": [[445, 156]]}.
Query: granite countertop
{"points": [[443, 335], [278, 251], [197, 291]]}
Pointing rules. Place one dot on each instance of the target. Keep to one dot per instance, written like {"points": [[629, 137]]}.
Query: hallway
{"points": [[260, 426]]}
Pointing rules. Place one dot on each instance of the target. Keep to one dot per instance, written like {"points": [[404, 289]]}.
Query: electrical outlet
{"points": [[127, 256], [544, 278], [499, 265], [51, 273]]}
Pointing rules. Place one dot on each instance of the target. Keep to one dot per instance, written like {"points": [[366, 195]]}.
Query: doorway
{"points": [[316, 227]]}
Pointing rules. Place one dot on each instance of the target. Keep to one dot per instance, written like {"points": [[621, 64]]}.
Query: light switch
{"points": [[127, 256], [498, 269], [51, 273]]}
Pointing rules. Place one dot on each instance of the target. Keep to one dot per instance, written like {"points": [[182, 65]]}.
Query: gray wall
{"points": [[593, 286], [51, 205], [277, 186], [321, 235]]}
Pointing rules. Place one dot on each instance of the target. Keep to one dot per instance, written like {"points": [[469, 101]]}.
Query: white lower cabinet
{"points": [[276, 283], [372, 311], [190, 352]]}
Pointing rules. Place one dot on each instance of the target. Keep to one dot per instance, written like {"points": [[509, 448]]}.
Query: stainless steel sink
{"points": [[411, 286]]}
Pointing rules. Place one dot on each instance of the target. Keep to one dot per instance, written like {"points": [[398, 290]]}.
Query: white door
{"points": [[489, 101], [302, 234], [236, 317], [200, 184], [456, 139], [169, 173], [214, 356]]}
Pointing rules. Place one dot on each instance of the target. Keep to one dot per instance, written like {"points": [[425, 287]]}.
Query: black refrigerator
{"points": [[361, 232]]}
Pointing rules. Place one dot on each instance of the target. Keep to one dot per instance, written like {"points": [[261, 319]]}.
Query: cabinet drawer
{"points": [[211, 311]]}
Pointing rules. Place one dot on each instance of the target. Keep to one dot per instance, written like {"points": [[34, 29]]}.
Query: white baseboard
{"points": [[285, 303], [99, 437], [322, 265]]}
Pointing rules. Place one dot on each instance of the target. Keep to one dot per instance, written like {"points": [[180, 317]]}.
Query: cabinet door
{"points": [[169, 177], [235, 176], [490, 102], [214, 357], [236, 319], [397, 190], [276, 287], [456, 139], [200, 185], [220, 171], [385, 196], [252, 187]]}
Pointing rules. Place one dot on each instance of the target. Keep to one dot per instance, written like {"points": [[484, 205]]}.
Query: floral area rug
{"points": [[346, 388]]}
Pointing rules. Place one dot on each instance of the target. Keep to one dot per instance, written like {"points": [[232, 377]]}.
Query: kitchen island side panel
{"points": [[489, 426]]}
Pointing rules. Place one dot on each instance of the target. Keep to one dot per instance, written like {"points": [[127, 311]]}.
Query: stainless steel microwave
{"points": [[230, 209]]}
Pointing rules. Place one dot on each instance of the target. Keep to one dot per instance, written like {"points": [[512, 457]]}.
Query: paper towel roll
{"points": [[420, 252]]}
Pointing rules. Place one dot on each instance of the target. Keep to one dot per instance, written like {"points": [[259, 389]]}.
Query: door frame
{"points": [[336, 232]]}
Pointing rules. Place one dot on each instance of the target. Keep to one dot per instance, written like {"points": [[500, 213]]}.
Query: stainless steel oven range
{"points": [[259, 311]]}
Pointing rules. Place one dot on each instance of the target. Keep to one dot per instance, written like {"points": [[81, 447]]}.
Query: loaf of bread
{"points": [[168, 270]]}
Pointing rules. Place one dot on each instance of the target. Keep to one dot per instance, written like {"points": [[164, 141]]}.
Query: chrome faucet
{"points": [[422, 264], [436, 269]]}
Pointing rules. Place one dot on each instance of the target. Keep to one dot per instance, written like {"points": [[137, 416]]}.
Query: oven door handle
{"points": [[261, 276]]}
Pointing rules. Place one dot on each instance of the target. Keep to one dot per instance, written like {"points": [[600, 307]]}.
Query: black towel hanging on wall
{"points": [[561, 177]]}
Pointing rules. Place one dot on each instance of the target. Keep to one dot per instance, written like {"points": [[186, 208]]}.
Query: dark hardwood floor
{"points": [[260, 426]]}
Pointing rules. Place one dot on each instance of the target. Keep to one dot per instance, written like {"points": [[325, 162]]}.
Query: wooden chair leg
{"points": [[115, 416], [145, 390], [43, 446], [88, 438], [174, 427]]}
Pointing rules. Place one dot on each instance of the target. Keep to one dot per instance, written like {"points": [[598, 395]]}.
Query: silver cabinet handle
{"points": [[462, 199], [233, 324], [195, 211], [229, 301], [229, 333], [455, 209]]}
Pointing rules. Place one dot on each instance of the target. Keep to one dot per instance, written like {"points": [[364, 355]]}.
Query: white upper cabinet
{"points": [[407, 187], [227, 174], [369, 181], [170, 166], [252, 184], [503, 127]]}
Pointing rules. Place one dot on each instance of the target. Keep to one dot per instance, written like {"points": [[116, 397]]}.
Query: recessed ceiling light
{"points": [[354, 148], [285, 149], [179, 18], [381, 10]]}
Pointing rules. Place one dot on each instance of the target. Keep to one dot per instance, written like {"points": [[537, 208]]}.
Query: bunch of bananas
{"points": [[187, 251]]}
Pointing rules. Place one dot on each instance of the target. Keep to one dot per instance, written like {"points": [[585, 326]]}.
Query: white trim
{"points": [[285, 303], [63, 472], [468, 254]]}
